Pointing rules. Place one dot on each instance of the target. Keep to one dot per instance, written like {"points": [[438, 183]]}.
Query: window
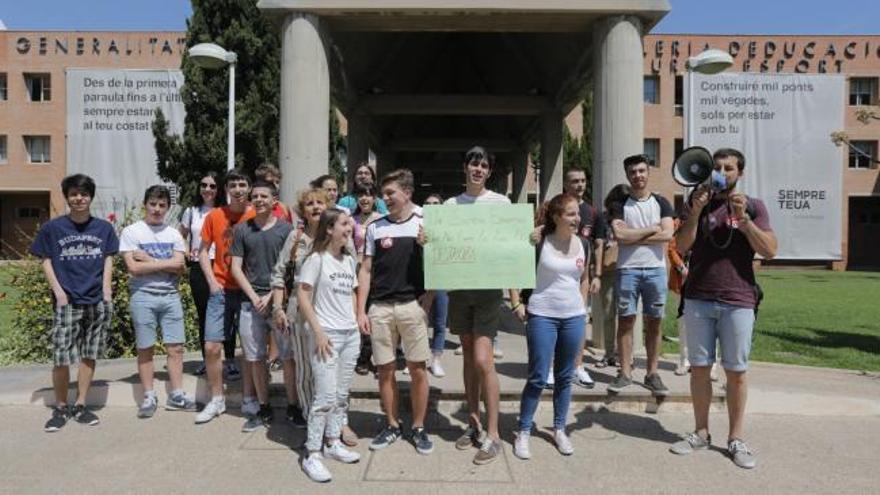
{"points": [[862, 154], [3, 94], [862, 90], [28, 212], [2, 149], [652, 90], [38, 149], [679, 147], [652, 150], [679, 95], [39, 86]]}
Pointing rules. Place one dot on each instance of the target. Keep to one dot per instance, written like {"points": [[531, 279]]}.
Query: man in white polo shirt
{"points": [[642, 233]]}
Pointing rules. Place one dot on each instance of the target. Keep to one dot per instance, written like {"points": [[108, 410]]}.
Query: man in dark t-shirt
{"points": [[722, 231], [76, 251], [594, 229]]}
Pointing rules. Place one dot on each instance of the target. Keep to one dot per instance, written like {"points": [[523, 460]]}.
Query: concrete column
{"points": [[358, 145], [520, 165], [305, 104], [618, 110], [551, 154]]}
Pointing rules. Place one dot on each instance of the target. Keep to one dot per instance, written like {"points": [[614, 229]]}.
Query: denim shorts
{"points": [[253, 330], [710, 321], [150, 311], [647, 283], [223, 306]]}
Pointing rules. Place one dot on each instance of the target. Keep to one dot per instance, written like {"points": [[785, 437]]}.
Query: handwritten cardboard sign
{"points": [[479, 247]]}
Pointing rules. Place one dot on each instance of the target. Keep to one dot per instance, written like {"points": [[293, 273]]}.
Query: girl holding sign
{"points": [[556, 314]]}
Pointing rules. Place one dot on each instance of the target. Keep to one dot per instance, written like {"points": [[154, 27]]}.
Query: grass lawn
{"points": [[812, 318]]}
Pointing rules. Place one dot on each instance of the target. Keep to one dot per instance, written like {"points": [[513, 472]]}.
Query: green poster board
{"points": [[479, 247]]}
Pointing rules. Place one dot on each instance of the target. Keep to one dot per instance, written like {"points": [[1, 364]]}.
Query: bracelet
{"points": [[513, 308], [278, 308]]}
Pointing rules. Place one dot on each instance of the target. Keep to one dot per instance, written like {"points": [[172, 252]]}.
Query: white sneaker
{"points": [[683, 366], [563, 444], [521, 445], [713, 374], [315, 468], [406, 370], [497, 352], [583, 378], [550, 379], [212, 409], [250, 406], [459, 350], [338, 452], [437, 369]]}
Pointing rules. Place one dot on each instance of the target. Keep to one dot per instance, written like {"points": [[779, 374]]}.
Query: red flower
{"points": [[111, 218]]}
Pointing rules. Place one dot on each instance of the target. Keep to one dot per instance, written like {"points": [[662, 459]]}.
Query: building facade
{"points": [[856, 57], [33, 113]]}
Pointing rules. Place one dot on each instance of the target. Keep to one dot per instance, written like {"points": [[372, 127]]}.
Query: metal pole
{"points": [[230, 145]]}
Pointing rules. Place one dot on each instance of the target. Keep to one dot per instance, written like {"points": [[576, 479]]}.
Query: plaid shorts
{"points": [[80, 332]]}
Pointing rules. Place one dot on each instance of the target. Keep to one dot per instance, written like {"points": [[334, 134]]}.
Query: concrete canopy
{"points": [[421, 81]]}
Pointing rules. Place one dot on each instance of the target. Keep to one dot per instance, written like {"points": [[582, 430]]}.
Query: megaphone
{"points": [[695, 166]]}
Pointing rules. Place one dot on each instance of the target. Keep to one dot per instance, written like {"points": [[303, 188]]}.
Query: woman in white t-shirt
{"points": [[557, 312], [191, 230], [326, 295]]}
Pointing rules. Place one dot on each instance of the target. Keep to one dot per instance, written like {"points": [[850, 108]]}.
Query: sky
{"points": [[687, 16]]}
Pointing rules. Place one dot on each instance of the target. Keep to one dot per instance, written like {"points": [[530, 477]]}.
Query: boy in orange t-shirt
{"points": [[224, 302]]}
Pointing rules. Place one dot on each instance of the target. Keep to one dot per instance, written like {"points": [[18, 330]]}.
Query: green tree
{"points": [[338, 147], [578, 152], [238, 26]]}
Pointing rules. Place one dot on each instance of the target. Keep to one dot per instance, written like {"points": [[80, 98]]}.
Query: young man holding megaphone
{"points": [[722, 229]]}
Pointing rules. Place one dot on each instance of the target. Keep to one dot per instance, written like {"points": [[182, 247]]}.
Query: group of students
{"points": [[309, 288]]}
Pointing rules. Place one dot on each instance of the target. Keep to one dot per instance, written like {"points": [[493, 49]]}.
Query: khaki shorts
{"points": [[398, 322], [476, 312]]}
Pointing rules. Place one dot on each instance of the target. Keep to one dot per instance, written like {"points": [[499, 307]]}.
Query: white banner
{"points": [[782, 123], [109, 135]]}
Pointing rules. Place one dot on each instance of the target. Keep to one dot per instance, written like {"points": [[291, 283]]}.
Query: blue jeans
{"points": [[710, 321], [439, 310], [556, 340], [648, 283], [221, 319], [152, 311]]}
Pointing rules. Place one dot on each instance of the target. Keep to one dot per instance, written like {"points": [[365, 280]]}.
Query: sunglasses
{"points": [[205, 185]]}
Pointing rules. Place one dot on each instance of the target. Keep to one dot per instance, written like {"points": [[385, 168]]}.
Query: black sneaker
{"points": [[385, 438], [295, 416], [58, 419], [266, 414], [422, 443], [83, 416], [655, 385], [621, 382]]}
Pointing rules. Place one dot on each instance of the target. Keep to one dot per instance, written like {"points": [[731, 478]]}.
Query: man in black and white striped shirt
{"points": [[391, 282]]}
